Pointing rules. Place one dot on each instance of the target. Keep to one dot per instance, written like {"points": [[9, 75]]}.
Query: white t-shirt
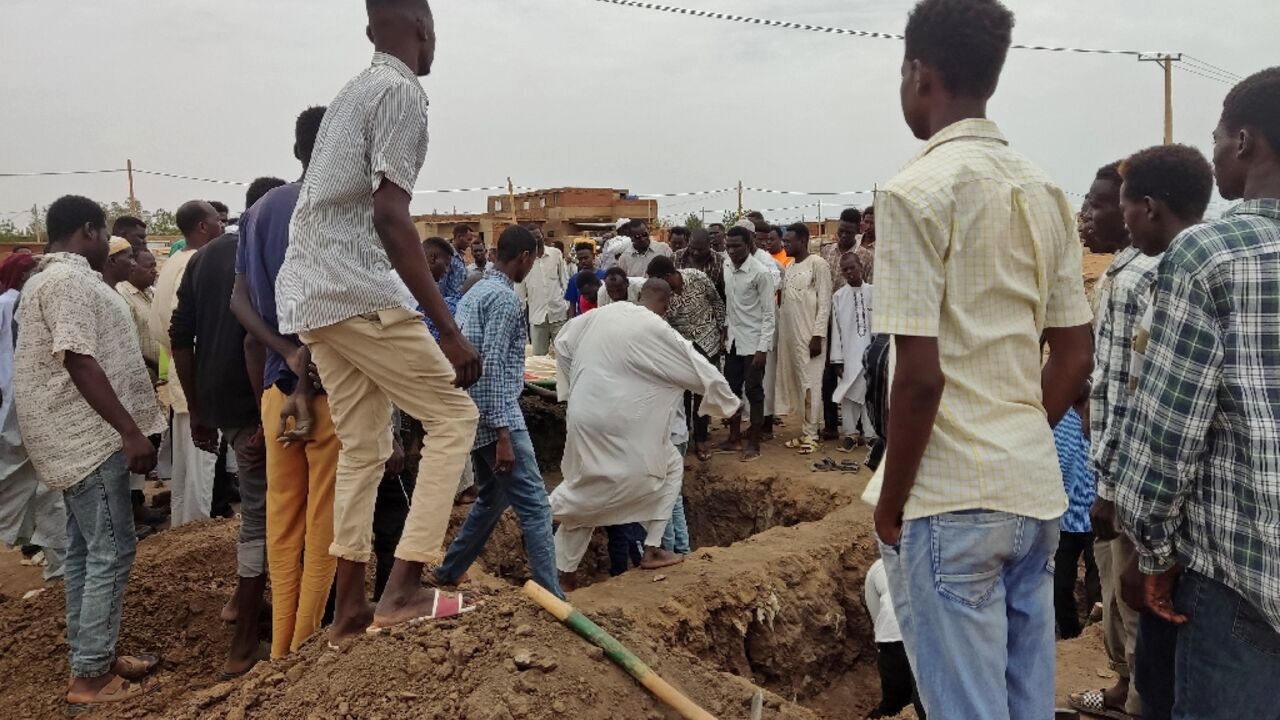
{"points": [[880, 604]]}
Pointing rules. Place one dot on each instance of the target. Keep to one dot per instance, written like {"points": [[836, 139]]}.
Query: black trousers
{"points": [[1153, 671], [1071, 546], [699, 424], [390, 511], [897, 683], [747, 380], [626, 547], [830, 409], [225, 491]]}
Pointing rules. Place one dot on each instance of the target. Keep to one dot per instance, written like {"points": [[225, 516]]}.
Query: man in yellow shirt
{"points": [[978, 261]]}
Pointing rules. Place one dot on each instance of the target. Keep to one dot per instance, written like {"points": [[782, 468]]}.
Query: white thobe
{"points": [[850, 337], [624, 372], [802, 316]]}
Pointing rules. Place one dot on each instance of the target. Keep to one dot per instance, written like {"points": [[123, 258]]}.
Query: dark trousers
{"points": [[699, 424], [389, 513], [1155, 666], [626, 547], [225, 491], [747, 380], [897, 684], [830, 408], [1071, 546]]}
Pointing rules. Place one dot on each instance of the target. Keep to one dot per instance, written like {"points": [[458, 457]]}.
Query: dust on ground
{"points": [[771, 597]]}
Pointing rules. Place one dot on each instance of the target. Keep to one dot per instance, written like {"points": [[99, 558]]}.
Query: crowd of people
{"points": [[359, 382]]}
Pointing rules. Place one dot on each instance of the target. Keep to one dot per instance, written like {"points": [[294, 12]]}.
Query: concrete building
{"points": [[560, 212]]}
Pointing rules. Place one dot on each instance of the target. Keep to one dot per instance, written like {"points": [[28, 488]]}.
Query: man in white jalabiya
{"points": [[624, 372], [850, 338], [803, 317]]}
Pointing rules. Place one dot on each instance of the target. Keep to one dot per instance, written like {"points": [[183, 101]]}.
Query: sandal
{"points": [[118, 690], [825, 465], [808, 448], [1092, 702], [135, 667], [444, 605], [848, 466]]}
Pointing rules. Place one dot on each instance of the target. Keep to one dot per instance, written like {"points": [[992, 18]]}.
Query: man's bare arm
{"points": [[1070, 362], [88, 377]]}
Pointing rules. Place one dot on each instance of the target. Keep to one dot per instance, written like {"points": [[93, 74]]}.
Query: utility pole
{"points": [[133, 199], [739, 198], [1165, 61], [511, 198]]}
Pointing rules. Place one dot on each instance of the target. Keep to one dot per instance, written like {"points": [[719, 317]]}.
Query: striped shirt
{"points": [[336, 267], [977, 248], [1077, 480], [1198, 469], [489, 317]]}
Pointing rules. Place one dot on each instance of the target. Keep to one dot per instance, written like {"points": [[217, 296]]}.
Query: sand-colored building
{"points": [[560, 212]]}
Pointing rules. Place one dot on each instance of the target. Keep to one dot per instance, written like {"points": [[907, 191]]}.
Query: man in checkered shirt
{"points": [[1198, 476]]}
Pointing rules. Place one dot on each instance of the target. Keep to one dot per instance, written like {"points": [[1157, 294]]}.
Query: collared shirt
{"points": [[1124, 299], [636, 264], [750, 309], [1198, 468], [454, 277], [139, 302], [1077, 479], [542, 291], [489, 316], [713, 266], [697, 312], [867, 254], [978, 249], [264, 239], [771, 265], [336, 267], [66, 307], [162, 305], [832, 253]]}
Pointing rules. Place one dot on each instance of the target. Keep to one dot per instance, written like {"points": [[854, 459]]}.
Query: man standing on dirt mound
{"points": [[979, 261], [350, 229]]}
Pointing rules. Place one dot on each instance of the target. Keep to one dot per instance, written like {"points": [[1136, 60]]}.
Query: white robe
{"points": [[624, 372], [850, 336]]}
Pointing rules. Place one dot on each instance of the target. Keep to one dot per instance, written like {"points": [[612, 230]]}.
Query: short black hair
{"points": [[515, 240], [125, 223], [800, 229], [586, 277], [716, 225], [966, 41], [755, 215], [440, 244], [189, 215], [305, 130], [1177, 175], [851, 215], [681, 231], [70, 213], [1110, 172], [627, 226], [660, 267], [260, 187], [871, 210], [1255, 102], [741, 233], [777, 229], [220, 207], [585, 246], [615, 272], [460, 229]]}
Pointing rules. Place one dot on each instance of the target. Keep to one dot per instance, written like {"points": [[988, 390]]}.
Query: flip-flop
{"points": [[848, 466], [808, 448], [825, 465], [1092, 702], [750, 459], [443, 605], [118, 690], [136, 667]]}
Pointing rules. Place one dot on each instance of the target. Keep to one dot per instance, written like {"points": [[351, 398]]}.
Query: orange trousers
{"points": [[300, 482]]}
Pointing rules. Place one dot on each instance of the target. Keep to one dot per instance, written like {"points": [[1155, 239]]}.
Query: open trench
{"points": [[772, 591]]}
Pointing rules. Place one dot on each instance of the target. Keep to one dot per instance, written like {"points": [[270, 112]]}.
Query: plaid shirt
{"points": [[1126, 291], [490, 317], [1198, 471]]}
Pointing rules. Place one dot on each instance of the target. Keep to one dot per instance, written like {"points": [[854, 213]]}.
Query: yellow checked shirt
{"points": [[977, 247]]}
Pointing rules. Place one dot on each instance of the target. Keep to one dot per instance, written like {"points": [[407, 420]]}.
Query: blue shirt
{"points": [[264, 238], [1073, 458], [451, 302], [490, 317], [454, 278], [572, 294]]}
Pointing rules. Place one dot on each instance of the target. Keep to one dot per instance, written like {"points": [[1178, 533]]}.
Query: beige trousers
{"points": [[1119, 621], [367, 363]]}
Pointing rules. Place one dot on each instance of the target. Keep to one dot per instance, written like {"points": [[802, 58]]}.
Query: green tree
{"points": [[9, 232], [730, 217], [694, 221]]}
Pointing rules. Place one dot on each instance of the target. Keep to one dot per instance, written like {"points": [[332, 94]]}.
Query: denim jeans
{"points": [[523, 490], [1228, 655], [676, 537], [973, 592], [100, 549]]}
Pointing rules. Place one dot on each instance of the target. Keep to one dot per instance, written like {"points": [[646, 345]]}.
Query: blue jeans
{"points": [[676, 537], [973, 592], [100, 549], [1228, 655], [523, 490]]}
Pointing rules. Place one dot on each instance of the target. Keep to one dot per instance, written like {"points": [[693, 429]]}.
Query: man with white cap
{"points": [[614, 245]]}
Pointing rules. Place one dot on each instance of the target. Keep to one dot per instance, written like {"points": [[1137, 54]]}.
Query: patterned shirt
{"points": [[1124, 298], [140, 310], [66, 307], [1077, 480], [978, 249], [713, 266], [489, 316], [832, 253], [1198, 469], [336, 268], [454, 278], [697, 312], [868, 257]]}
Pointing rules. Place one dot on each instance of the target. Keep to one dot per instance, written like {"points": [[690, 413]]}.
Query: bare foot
{"points": [[751, 454], [1117, 695], [235, 666], [655, 558], [467, 496], [568, 581], [230, 612], [346, 628]]}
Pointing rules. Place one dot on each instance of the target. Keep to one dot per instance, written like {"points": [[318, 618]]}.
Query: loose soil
{"points": [[771, 597]]}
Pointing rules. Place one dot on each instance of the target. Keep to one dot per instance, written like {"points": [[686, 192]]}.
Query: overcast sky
{"points": [[578, 92]]}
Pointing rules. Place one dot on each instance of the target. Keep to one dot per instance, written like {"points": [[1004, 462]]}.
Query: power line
{"points": [[1211, 66], [1185, 69], [833, 30], [52, 173]]}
